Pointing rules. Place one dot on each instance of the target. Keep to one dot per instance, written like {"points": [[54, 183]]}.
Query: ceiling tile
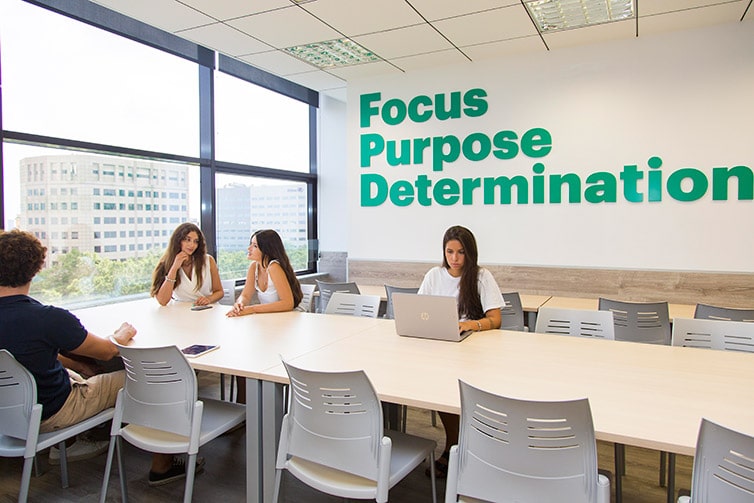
{"points": [[278, 62], [433, 10], [285, 27], [167, 15], [665, 6], [514, 46], [225, 39], [404, 41], [317, 80], [688, 19], [228, 9], [433, 59], [490, 26], [365, 17], [617, 30], [365, 70]]}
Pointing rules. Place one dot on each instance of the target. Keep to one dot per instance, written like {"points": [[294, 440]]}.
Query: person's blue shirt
{"points": [[34, 334]]}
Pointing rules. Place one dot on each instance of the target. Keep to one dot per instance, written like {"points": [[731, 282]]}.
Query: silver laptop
{"points": [[427, 316]]}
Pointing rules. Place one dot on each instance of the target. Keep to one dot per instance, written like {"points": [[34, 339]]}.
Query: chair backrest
{"points": [[707, 312], [334, 419], [512, 313], [647, 322], [160, 389], [713, 334], [306, 304], [18, 398], [353, 304], [577, 322], [229, 292], [526, 450], [389, 291], [327, 289], [723, 468]]}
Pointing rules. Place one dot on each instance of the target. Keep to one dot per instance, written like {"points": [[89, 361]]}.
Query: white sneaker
{"points": [[81, 449]]}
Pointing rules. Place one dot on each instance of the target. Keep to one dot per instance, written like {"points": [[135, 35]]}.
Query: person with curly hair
{"points": [[35, 334]]}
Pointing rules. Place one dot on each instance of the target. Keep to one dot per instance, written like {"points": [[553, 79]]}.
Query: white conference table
{"points": [[641, 395], [248, 346]]}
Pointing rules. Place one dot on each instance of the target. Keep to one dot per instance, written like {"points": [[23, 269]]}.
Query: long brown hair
{"points": [[174, 248], [272, 248], [469, 303]]}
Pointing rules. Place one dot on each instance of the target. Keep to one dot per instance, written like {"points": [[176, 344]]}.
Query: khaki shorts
{"points": [[88, 397]]}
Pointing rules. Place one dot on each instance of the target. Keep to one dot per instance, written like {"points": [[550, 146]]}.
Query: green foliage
{"points": [[85, 277]]}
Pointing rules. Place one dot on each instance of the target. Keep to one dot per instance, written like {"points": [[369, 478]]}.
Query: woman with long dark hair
{"points": [[186, 272], [479, 303], [271, 275]]}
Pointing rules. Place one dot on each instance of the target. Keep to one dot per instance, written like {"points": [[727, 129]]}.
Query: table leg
{"points": [[272, 419], [671, 477], [253, 441]]}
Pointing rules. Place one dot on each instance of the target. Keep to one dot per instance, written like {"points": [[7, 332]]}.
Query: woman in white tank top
{"points": [[270, 275]]}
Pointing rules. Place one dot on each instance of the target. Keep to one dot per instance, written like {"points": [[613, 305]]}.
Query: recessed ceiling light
{"points": [[333, 53], [556, 15]]}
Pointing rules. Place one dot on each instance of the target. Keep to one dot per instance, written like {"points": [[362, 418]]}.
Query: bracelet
{"points": [[480, 325], [168, 279]]}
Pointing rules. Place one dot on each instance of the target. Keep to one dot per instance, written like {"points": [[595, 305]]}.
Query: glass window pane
{"points": [[66, 79], [105, 220], [246, 204], [260, 127]]}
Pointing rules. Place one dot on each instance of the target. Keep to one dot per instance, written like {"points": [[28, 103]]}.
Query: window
{"points": [[110, 163]]}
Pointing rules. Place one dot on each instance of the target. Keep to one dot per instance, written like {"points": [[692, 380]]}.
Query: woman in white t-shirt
{"points": [[271, 275], [479, 303], [186, 272]]}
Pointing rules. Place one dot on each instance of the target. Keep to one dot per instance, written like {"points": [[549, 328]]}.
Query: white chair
{"points": [[20, 416], [708, 312], [646, 322], [327, 289], [575, 322], [389, 291], [158, 411], [332, 438], [713, 334], [229, 292], [307, 305], [512, 313], [520, 450], [723, 466], [353, 304]]}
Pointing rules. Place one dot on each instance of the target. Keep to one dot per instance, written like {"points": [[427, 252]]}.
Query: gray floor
{"points": [[224, 476]]}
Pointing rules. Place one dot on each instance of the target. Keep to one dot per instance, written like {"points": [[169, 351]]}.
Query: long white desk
{"points": [[641, 395]]}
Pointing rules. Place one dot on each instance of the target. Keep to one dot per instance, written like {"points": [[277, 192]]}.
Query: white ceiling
{"points": [[405, 34]]}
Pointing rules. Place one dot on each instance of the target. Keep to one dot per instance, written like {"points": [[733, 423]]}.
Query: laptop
{"points": [[427, 316]]}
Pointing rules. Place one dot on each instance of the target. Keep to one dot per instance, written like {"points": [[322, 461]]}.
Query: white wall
{"points": [[686, 97], [333, 208]]}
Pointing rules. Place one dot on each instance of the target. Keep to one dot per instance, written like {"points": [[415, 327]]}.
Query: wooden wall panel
{"points": [[681, 287]]}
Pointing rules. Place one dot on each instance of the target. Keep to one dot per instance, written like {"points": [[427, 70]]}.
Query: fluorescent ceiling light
{"points": [[556, 15], [333, 53]]}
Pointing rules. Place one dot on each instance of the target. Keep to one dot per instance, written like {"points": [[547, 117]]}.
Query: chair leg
{"points": [[108, 467], [434, 418], [122, 469], [23, 492], [276, 492], [63, 465], [222, 386], [404, 413], [190, 473]]}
